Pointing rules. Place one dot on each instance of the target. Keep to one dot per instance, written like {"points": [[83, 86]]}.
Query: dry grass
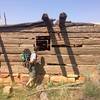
{"points": [[90, 92]]}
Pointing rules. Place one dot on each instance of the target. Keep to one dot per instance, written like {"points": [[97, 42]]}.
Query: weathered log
{"points": [[18, 27], [64, 41], [58, 35], [21, 35], [87, 50], [17, 41], [10, 45], [76, 35], [71, 59], [93, 41], [76, 29], [60, 59], [69, 24], [55, 69], [83, 69], [91, 46], [75, 51], [11, 63], [15, 50], [15, 69], [10, 57], [68, 42]]}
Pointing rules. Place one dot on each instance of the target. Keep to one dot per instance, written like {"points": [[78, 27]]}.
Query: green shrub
{"points": [[91, 90]]}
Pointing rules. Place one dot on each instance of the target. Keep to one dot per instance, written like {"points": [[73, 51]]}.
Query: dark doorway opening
{"points": [[43, 43]]}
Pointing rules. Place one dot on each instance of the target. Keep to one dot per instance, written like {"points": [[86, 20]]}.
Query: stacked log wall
{"points": [[76, 51]]}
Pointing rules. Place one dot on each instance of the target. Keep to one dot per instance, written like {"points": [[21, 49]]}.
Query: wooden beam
{"points": [[62, 19]]}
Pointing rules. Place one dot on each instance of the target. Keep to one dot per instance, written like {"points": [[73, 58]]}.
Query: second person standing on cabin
{"points": [[32, 69]]}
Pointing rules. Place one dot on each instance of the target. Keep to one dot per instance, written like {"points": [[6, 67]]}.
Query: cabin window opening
{"points": [[43, 43]]}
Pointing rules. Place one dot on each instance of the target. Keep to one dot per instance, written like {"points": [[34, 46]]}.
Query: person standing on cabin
{"points": [[32, 65]]}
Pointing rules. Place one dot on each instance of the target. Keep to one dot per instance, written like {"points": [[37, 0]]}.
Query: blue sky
{"points": [[21, 11]]}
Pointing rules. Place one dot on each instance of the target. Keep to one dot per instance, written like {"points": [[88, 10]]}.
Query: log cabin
{"points": [[68, 51]]}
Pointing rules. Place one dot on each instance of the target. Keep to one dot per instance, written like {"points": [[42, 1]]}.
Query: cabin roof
{"points": [[35, 24], [16, 27]]}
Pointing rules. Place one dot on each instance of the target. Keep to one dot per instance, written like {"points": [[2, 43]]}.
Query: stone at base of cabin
{"points": [[45, 79], [58, 79], [71, 80], [4, 75], [81, 79], [7, 90], [72, 75], [24, 78], [6, 80]]}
